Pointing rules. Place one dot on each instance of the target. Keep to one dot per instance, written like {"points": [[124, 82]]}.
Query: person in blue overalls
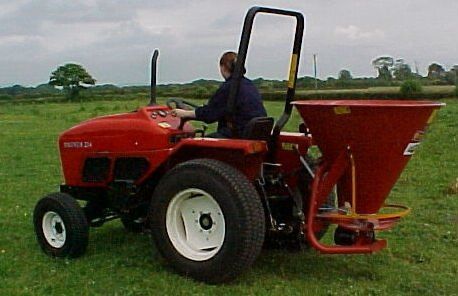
{"points": [[248, 102]]}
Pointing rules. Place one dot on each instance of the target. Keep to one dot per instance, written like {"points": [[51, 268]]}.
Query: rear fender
{"points": [[245, 155]]}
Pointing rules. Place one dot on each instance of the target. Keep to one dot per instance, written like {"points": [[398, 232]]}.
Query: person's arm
{"points": [[216, 107], [185, 113]]}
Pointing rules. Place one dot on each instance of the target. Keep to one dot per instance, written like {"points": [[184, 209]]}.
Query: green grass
{"points": [[421, 259]]}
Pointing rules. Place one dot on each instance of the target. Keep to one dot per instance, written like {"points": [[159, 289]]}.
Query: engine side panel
{"points": [[94, 153], [143, 134]]}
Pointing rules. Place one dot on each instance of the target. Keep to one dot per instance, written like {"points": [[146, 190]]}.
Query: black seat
{"points": [[258, 128]]}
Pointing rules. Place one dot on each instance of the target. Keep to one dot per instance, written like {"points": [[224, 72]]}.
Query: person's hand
{"points": [[184, 113]]}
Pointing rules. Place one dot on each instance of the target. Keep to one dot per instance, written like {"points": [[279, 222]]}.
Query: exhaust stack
{"points": [[152, 101]]}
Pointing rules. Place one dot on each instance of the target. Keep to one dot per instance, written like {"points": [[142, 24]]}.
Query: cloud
{"points": [[113, 39], [355, 33]]}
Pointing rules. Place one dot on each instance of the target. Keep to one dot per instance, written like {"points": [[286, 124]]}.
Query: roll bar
{"points": [[242, 53]]}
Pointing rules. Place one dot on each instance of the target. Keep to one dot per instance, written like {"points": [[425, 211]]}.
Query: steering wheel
{"points": [[180, 104]]}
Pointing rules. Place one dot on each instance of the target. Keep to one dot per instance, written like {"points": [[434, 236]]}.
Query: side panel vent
{"points": [[130, 168], [96, 169]]}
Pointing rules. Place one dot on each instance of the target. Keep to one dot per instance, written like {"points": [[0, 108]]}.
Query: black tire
{"points": [[241, 208], [69, 219]]}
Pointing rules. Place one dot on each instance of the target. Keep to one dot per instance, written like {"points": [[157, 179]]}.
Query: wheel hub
{"points": [[54, 229], [58, 228], [206, 221], [195, 224]]}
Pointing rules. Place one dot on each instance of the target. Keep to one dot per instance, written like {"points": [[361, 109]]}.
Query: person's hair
{"points": [[228, 60]]}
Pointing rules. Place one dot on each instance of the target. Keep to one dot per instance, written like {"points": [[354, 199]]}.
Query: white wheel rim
{"points": [[195, 224], [54, 229]]}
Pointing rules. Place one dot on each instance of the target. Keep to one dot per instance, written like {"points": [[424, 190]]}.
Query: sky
{"points": [[114, 39]]}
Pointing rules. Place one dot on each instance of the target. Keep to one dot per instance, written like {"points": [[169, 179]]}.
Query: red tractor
{"points": [[211, 204]]}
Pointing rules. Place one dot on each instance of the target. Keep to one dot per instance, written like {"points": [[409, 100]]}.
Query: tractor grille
{"points": [[96, 169], [130, 168]]}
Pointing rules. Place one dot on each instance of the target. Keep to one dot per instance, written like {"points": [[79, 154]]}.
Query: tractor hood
{"points": [[145, 129]]}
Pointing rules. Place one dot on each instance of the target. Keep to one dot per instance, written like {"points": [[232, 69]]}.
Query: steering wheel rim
{"points": [[180, 104]]}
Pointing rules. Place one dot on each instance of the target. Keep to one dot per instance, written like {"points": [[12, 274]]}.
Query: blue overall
{"points": [[248, 105]]}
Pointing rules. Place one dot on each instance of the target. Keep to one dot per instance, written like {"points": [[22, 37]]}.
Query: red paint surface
{"points": [[138, 134], [377, 133]]}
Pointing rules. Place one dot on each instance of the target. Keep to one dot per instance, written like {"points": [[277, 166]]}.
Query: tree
{"points": [[402, 71], [305, 82], [451, 76], [410, 88], [435, 71], [384, 73], [200, 92], [345, 75], [383, 66], [454, 69], [72, 78]]}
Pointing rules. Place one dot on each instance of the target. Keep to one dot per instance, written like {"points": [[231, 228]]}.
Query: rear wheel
{"points": [[60, 226], [207, 220]]}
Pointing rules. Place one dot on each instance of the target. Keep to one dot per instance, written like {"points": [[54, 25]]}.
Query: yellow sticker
{"points": [[292, 70], [342, 110], [431, 117], [288, 146]]}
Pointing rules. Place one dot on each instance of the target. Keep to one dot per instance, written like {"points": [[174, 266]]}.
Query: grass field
{"points": [[421, 259]]}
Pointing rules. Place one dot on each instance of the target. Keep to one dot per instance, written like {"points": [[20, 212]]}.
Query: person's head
{"points": [[227, 64]]}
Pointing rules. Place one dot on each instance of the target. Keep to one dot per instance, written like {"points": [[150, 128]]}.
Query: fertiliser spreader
{"points": [[211, 204]]}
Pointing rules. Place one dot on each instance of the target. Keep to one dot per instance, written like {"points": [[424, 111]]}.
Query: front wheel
{"points": [[61, 226], [207, 220]]}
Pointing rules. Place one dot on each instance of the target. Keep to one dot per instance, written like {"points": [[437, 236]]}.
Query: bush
{"points": [[5, 97], [200, 92], [456, 91], [411, 87]]}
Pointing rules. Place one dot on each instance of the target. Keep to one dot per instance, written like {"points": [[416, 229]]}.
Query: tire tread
{"points": [[76, 225], [252, 228]]}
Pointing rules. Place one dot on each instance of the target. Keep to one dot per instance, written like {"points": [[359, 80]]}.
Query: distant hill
{"points": [[203, 88]]}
